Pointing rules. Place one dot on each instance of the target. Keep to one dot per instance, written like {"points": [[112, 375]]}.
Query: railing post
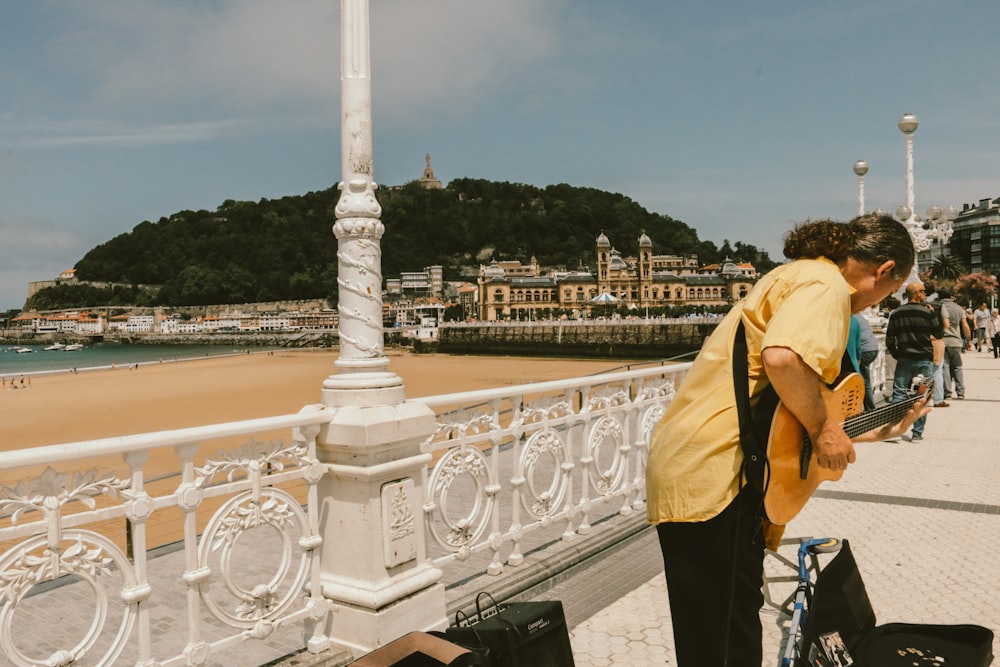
{"points": [[373, 565]]}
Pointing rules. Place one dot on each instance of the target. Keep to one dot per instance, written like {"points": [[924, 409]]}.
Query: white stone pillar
{"points": [[374, 566]]}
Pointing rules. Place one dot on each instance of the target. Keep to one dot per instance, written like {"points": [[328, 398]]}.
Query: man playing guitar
{"points": [[796, 321]]}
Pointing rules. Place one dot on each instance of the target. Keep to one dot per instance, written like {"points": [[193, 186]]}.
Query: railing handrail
{"points": [[314, 415], [482, 395]]}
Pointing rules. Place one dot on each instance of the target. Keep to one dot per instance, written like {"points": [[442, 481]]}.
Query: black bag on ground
{"points": [[841, 630], [518, 634]]}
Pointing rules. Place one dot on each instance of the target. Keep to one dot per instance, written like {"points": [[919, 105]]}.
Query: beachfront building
{"points": [[89, 324], [131, 324], [976, 238], [468, 298], [429, 282], [222, 323], [71, 322], [426, 312], [511, 290]]}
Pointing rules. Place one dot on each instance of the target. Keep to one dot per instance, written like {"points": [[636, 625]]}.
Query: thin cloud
{"points": [[103, 133]]}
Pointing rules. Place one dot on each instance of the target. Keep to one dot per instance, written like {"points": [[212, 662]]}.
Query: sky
{"points": [[738, 118]]}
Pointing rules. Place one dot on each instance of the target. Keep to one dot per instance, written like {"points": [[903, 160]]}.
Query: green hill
{"points": [[285, 249]]}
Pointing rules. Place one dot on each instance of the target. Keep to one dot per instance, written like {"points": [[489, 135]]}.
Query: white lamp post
{"points": [[861, 168], [377, 579], [908, 125], [363, 376]]}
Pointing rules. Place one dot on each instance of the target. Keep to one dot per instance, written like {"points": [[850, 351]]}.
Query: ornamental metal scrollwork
{"points": [[604, 430], [650, 418], [460, 530], [253, 459], [542, 445], [51, 490], [607, 398], [660, 388], [89, 557], [262, 601], [261, 507]]}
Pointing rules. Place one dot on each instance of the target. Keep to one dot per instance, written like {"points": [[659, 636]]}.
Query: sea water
{"points": [[102, 355]]}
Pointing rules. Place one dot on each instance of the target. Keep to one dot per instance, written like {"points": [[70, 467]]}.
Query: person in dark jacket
{"points": [[915, 338]]}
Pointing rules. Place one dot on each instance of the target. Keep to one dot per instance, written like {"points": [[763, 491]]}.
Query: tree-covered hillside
{"points": [[285, 248]]}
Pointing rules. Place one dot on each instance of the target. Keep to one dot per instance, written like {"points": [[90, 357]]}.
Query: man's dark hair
{"points": [[944, 293], [873, 238]]}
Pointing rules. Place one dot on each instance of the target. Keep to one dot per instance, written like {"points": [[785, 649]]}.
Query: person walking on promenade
{"points": [[938, 390], [869, 353], [915, 337], [981, 317], [993, 331], [702, 495], [957, 338], [969, 333]]}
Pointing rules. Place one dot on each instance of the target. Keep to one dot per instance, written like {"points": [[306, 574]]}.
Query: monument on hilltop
{"points": [[427, 180]]}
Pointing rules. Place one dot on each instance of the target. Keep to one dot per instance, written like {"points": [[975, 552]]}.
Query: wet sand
{"points": [[71, 408]]}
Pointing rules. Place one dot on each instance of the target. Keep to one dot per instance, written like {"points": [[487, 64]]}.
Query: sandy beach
{"points": [[71, 408]]}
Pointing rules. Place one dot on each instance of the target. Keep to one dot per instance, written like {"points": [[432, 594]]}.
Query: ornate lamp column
{"points": [[374, 558], [908, 125], [362, 363], [861, 168]]}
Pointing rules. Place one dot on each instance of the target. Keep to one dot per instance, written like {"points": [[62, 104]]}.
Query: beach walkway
{"points": [[922, 518]]}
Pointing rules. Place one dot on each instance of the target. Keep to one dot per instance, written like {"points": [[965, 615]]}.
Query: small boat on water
{"points": [[56, 346], [72, 347], [22, 350]]}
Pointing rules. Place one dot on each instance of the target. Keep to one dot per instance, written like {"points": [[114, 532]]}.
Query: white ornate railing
{"points": [[519, 460], [64, 530], [243, 500]]}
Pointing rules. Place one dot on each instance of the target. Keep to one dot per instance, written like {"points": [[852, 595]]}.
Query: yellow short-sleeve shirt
{"points": [[695, 455]]}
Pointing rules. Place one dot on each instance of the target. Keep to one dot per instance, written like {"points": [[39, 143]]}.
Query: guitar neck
{"points": [[887, 414]]}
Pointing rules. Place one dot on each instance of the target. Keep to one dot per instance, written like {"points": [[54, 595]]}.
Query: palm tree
{"points": [[947, 267]]}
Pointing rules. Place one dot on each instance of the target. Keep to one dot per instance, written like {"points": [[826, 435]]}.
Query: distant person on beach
{"points": [[704, 496]]}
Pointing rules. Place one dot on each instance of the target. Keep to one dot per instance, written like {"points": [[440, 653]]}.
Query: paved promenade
{"points": [[923, 520]]}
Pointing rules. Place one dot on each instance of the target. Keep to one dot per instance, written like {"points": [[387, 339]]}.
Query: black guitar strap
{"points": [[754, 426]]}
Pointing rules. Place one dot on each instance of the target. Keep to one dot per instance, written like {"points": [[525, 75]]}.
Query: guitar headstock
{"points": [[920, 385]]}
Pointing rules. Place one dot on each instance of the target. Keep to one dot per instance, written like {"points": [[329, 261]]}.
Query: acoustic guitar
{"points": [[794, 471]]}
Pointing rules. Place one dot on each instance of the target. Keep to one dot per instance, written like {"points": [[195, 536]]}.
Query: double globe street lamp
{"points": [[925, 232]]}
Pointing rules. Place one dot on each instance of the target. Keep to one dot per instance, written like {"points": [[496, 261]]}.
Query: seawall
{"points": [[578, 339]]}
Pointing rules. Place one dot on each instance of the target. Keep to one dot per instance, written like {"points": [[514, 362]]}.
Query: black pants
{"points": [[699, 562]]}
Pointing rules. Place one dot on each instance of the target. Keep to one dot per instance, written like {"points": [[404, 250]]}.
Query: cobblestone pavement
{"points": [[923, 520]]}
